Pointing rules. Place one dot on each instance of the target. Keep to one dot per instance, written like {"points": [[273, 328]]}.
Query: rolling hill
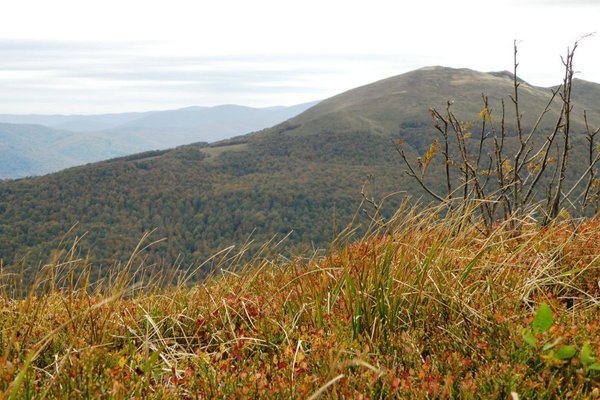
{"points": [[304, 175], [29, 150], [39, 144], [76, 123]]}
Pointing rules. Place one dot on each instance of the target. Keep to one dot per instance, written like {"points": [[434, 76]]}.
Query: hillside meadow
{"points": [[421, 307]]}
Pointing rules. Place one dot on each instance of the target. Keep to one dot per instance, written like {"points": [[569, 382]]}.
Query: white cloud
{"points": [[267, 52]]}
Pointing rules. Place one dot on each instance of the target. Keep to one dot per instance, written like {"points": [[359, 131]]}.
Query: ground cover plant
{"points": [[428, 307]]}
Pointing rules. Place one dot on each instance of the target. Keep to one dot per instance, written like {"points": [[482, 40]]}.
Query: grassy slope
{"points": [[382, 106], [422, 310]]}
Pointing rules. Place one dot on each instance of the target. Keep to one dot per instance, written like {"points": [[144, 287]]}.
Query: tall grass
{"points": [[421, 307]]}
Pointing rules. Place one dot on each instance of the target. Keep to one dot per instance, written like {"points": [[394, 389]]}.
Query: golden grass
{"points": [[424, 307]]}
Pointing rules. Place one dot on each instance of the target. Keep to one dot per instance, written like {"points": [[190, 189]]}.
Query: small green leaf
{"points": [[565, 352], [585, 355], [594, 367], [548, 346], [152, 360], [543, 319], [470, 266], [528, 337]]}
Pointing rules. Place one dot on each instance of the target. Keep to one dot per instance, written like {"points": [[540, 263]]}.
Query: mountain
{"points": [[207, 124], [35, 149], [304, 175], [77, 123], [40, 144], [384, 105], [587, 93]]}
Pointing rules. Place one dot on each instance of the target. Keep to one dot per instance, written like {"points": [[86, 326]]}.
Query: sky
{"points": [[91, 57]]}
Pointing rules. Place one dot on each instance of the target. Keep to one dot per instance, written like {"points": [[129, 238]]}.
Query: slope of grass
{"points": [[425, 308]]}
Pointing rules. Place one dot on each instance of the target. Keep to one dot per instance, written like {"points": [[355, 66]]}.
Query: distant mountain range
{"points": [[303, 175], [39, 144]]}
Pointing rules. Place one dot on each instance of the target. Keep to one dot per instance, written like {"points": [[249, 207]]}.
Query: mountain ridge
{"points": [[96, 138], [305, 175]]}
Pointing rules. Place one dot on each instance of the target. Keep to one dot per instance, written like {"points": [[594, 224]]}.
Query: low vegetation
{"points": [[423, 307]]}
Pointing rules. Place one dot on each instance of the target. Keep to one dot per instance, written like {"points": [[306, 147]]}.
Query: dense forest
{"points": [[198, 202]]}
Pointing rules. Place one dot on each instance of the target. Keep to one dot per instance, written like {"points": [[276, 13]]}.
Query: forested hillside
{"points": [[303, 176], [198, 200]]}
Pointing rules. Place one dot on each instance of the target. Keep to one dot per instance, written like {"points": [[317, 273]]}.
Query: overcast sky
{"points": [[80, 56]]}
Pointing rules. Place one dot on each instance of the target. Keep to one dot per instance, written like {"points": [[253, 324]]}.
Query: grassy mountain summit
{"points": [[304, 175], [384, 105]]}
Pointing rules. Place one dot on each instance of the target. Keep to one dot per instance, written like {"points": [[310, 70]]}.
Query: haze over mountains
{"points": [[304, 175], [39, 144]]}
